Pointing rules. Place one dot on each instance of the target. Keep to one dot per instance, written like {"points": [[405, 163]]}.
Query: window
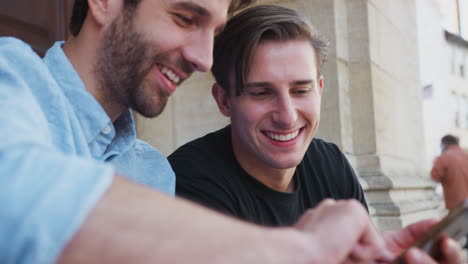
{"points": [[427, 91], [455, 109], [463, 18], [461, 62], [465, 112], [452, 59]]}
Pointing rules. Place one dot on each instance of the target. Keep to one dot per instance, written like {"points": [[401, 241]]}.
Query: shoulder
{"points": [[143, 148], [210, 146], [21, 67], [150, 156], [324, 150], [146, 165], [13, 44], [22, 76], [326, 158], [23, 53], [208, 158]]}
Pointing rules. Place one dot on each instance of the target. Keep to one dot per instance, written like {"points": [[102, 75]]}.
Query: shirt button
{"points": [[107, 130]]}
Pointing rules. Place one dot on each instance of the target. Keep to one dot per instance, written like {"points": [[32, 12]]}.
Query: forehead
{"points": [[283, 60]]}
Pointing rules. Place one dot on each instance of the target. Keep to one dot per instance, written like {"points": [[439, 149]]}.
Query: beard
{"points": [[124, 60]]}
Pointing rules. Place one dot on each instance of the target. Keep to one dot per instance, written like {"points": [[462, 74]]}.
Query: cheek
{"points": [[158, 38], [250, 114], [311, 110]]}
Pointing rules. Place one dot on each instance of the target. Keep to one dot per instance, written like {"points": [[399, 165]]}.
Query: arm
{"points": [[175, 231], [437, 172], [134, 224], [45, 193]]}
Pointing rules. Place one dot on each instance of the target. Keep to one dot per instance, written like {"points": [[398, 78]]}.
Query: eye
{"points": [[259, 93], [301, 91], [183, 20]]}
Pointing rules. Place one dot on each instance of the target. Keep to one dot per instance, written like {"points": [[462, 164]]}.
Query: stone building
{"points": [[444, 77]]}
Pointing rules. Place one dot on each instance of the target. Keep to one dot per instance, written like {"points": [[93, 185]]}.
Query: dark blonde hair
{"points": [[80, 10], [235, 45]]}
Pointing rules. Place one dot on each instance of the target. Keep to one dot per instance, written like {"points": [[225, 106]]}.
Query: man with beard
{"points": [[69, 134]]}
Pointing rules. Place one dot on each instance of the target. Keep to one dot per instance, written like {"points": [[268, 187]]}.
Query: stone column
{"points": [[372, 106]]}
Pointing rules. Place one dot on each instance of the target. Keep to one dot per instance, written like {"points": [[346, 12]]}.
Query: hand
{"points": [[345, 232], [399, 240]]}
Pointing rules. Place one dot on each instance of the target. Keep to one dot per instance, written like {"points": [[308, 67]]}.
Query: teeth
{"points": [[282, 137], [169, 74]]}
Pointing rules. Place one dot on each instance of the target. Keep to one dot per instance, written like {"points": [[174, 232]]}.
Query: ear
{"points": [[104, 11], [222, 99], [320, 84]]}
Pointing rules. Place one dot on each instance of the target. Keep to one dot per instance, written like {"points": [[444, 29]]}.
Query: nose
{"points": [[285, 115], [199, 51]]}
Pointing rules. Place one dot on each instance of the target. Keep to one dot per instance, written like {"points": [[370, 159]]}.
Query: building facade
{"points": [[444, 58]]}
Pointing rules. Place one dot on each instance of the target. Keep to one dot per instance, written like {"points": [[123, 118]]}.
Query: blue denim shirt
{"points": [[58, 153]]}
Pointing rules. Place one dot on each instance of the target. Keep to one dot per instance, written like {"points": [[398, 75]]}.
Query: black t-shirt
{"points": [[208, 173]]}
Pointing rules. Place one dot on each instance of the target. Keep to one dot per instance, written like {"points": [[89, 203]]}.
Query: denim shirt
{"points": [[58, 153]]}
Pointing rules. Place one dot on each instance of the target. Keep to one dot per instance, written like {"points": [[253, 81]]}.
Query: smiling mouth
{"points": [[172, 76], [283, 137]]}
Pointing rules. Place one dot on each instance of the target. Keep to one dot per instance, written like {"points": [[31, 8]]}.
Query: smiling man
{"points": [[266, 166]]}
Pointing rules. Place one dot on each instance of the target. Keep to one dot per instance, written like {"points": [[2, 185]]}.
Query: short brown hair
{"points": [[80, 10], [449, 140], [235, 45]]}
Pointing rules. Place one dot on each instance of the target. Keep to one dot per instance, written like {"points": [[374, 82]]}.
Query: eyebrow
{"points": [[269, 84], [258, 84], [199, 11]]}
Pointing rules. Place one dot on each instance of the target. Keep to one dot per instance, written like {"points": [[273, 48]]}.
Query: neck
{"points": [[277, 179], [82, 52]]}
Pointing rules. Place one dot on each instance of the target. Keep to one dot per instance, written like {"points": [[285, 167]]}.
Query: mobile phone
{"points": [[454, 225]]}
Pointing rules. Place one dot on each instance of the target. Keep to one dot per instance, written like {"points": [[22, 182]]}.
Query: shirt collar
{"points": [[92, 117]]}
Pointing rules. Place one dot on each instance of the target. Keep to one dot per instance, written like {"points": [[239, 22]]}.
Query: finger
{"points": [[398, 240], [417, 229], [451, 251], [417, 256], [367, 253], [371, 246], [326, 202]]}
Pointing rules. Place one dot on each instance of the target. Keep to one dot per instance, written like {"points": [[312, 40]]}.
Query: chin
{"points": [[282, 165], [150, 112], [150, 109]]}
